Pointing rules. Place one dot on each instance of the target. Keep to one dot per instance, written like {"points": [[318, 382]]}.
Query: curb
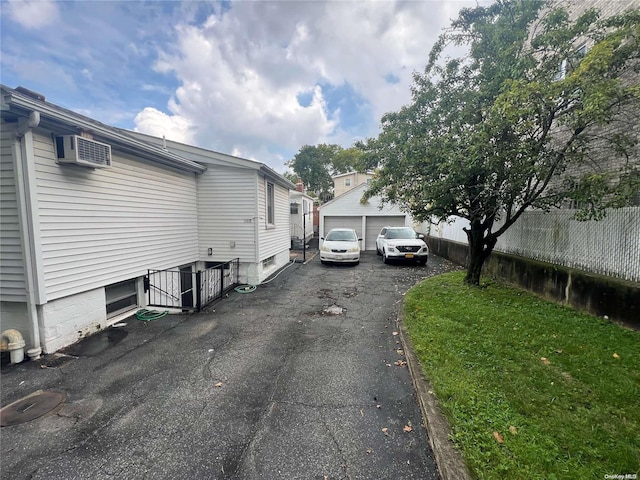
{"points": [[450, 464]]}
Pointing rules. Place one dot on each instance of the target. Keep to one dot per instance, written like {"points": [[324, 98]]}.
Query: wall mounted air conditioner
{"points": [[76, 150]]}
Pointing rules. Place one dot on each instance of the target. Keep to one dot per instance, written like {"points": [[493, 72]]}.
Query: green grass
{"points": [[577, 417]]}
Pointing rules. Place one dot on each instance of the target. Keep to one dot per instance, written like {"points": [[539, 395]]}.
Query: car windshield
{"points": [[400, 233], [341, 236]]}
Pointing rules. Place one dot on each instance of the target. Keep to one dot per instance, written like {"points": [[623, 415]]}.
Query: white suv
{"points": [[395, 243]]}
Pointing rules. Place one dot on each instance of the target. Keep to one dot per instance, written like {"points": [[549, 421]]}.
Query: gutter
{"points": [[127, 143], [279, 179]]}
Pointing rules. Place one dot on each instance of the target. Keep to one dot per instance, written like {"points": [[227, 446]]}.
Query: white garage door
{"points": [[375, 224], [343, 222]]}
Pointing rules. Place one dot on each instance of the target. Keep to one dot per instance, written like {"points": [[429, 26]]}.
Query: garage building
{"points": [[346, 211]]}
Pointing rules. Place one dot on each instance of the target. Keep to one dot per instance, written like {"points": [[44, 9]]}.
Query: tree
{"points": [[310, 164], [315, 165], [501, 130]]}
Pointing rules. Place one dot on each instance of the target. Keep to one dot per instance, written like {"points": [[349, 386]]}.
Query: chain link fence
{"points": [[608, 247]]}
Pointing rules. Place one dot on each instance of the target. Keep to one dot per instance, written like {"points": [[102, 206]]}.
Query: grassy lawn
{"points": [[532, 389]]}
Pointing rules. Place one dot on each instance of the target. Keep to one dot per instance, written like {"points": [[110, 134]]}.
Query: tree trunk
{"points": [[479, 250]]}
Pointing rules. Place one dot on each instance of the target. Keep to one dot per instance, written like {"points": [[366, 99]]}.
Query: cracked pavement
{"points": [[274, 384]]}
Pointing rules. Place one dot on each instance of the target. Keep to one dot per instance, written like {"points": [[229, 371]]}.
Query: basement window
{"points": [[120, 297], [267, 262]]}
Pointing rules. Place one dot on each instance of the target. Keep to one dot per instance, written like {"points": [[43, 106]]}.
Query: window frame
{"points": [[131, 297], [270, 204]]}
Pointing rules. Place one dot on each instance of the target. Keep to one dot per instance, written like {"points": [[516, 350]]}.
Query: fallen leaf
{"points": [[388, 364], [385, 430], [369, 451], [558, 351], [395, 333], [400, 363], [498, 437], [513, 430], [219, 384], [407, 428], [545, 360], [400, 351], [615, 355], [378, 406]]}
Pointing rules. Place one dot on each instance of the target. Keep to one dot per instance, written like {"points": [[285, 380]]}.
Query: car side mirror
{"points": [[321, 238]]}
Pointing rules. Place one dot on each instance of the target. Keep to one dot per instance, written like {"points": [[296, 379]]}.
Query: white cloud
{"points": [[33, 14], [159, 124], [241, 72]]}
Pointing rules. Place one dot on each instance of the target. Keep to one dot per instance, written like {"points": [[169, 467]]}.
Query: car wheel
{"points": [[323, 262], [385, 259], [378, 251], [357, 263], [422, 263]]}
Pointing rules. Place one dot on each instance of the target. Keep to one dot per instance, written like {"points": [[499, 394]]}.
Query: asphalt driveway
{"points": [[302, 379]]}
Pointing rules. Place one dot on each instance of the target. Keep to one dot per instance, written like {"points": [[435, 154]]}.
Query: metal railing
{"points": [[189, 290]]}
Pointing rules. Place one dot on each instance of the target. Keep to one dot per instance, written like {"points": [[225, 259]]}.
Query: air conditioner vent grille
{"points": [[94, 152], [76, 150]]}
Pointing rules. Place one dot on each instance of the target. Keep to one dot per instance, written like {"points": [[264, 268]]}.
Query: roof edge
{"points": [[59, 114]]}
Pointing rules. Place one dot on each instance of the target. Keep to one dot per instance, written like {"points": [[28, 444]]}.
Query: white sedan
{"points": [[340, 245], [401, 243]]}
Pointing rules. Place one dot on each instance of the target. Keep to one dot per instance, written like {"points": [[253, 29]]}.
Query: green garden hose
{"points": [[148, 315], [245, 288]]}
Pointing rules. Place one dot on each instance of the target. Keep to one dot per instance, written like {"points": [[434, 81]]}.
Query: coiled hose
{"points": [[147, 315]]}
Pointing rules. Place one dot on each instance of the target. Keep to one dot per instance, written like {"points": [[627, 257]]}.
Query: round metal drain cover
{"points": [[30, 407]]}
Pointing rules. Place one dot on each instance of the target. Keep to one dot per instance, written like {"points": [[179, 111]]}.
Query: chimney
{"points": [[300, 186]]}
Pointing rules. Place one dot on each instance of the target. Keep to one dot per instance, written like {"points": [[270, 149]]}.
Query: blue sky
{"points": [[257, 79]]}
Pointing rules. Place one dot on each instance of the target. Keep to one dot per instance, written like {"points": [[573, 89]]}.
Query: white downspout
{"points": [[19, 155]]}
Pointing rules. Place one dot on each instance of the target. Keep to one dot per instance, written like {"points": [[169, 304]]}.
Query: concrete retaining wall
{"points": [[618, 299]]}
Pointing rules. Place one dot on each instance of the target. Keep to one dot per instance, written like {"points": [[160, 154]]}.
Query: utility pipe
{"points": [[12, 341]]}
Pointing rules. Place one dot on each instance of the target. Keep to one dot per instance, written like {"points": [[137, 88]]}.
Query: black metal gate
{"points": [[190, 290]]}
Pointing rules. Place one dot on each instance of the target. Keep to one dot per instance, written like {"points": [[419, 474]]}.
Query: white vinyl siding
{"points": [[273, 238], [102, 226], [226, 213], [12, 279]]}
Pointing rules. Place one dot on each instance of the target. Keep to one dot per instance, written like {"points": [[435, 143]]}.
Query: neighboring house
{"points": [[243, 210], [346, 181], [77, 241], [302, 212], [347, 211]]}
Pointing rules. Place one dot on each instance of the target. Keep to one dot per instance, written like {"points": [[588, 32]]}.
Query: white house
{"points": [[243, 210], [301, 207], [87, 210], [347, 211]]}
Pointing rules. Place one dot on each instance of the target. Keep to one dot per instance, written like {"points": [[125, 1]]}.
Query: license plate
{"points": [[409, 255]]}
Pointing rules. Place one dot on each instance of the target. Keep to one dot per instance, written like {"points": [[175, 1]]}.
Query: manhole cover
{"points": [[29, 408]]}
